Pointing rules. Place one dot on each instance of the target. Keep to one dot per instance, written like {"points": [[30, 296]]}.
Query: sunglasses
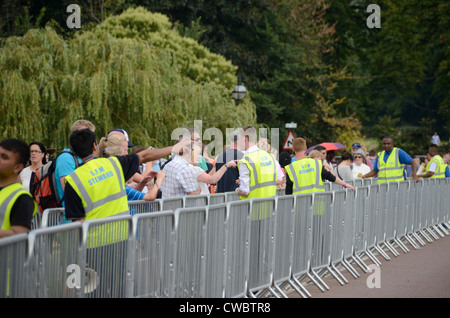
{"points": [[356, 157]]}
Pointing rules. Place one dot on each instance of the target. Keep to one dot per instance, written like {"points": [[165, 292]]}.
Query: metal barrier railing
{"points": [[236, 248]]}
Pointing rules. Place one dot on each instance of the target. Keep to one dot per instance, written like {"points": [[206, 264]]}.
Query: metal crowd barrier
{"points": [[218, 246]]}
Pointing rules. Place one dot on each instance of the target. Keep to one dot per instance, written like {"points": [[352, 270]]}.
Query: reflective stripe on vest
{"points": [[391, 170], [262, 183], [93, 206], [310, 181], [8, 197], [440, 167]]}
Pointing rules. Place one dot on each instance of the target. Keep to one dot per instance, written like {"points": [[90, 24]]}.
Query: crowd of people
{"points": [[96, 179]]}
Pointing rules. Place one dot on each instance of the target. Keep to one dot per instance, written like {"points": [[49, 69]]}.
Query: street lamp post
{"points": [[239, 91]]}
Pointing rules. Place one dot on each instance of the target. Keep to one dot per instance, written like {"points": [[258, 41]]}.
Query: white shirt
{"points": [[435, 140], [203, 186], [25, 178], [433, 166], [356, 170], [244, 173]]}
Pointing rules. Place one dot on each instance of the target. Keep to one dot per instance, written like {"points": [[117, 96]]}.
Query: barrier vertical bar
{"points": [[55, 261], [283, 243], [107, 242], [262, 233], [237, 265], [154, 255], [14, 273], [189, 251], [215, 251], [302, 238], [142, 206]]}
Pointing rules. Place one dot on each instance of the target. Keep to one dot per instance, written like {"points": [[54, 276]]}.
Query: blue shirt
{"points": [[133, 194], [447, 172], [65, 165], [403, 157]]}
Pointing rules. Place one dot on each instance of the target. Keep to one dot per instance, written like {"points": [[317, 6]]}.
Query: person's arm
{"points": [[144, 180], [244, 181], [15, 229], [153, 193], [198, 191], [213, 179], [289, 185], [430, 172], [374, 171], [331, 177], [414, 171], [342, 183], [74, 209], [406, 159], [327, 166], [371, 174]]}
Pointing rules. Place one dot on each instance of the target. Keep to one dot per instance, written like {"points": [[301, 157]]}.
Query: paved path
{"points": [[423, 273]]}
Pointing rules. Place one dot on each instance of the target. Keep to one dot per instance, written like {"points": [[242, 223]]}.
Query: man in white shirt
{"points": [[247, 137], [436, 166]]}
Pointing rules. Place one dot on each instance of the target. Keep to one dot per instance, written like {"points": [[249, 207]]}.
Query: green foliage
{"points": [[314, 62], [195, 60], [47, 82]]}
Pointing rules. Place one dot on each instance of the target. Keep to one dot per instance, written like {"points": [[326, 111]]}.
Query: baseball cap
{"points": [[356, 145], [123, 132]]}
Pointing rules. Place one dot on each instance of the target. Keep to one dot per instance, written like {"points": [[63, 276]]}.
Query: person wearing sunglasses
{"points": [[360, 167]]}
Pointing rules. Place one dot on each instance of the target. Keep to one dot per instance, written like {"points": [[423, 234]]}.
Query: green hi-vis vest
{"points": [[306, 175], [263, 174], [9, 196], [100, 184], [391, 170], [263, 181], [440, 167]]}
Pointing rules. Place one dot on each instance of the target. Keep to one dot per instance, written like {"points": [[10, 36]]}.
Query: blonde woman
{"points": [[132, 193], [119, 143], [316, 154]]}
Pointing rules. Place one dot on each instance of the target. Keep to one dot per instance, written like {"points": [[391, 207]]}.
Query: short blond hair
{"points": [[299, 144], [113, 140], [315, 154], [82, 124]]}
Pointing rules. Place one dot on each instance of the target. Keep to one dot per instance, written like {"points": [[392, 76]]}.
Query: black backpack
{"points": [[43, 184]]}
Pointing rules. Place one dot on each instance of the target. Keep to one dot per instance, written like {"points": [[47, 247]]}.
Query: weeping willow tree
{"points": [[115, 79]]}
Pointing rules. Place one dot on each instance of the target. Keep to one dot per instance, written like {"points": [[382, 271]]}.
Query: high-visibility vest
{"points": [[100, 184], [306, 175], [8, 197], [392, 169], [263, 174], [440, 167], [263, 182]]}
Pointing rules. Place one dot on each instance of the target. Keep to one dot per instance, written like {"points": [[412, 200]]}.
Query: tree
{"points": [[47, 82]]}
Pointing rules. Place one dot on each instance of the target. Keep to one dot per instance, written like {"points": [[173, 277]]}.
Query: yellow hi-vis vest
{"points": [[8, 197], [306, 175], [263, 174], [100, 184], [391, 170], [263, 182], [440, 167]]}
